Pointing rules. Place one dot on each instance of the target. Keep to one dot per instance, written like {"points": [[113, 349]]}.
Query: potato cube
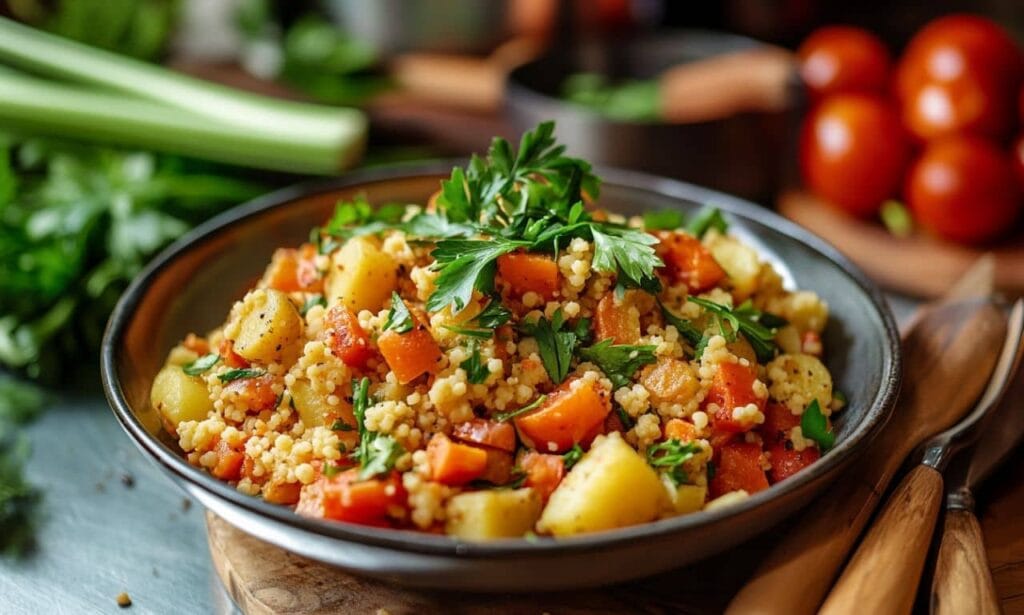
{"points": [[362, 276], [740, 263], [179, 397], [268, 328], [486, 515]]}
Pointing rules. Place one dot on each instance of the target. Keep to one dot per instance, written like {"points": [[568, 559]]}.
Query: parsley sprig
{"points": [[399, 317], [814, 426], [501, 417], [759, 328], [572, 457], [556, 342], [670, 456], [476, 368], [377, 453], [239, 374], [618, 361], [201, 365]]}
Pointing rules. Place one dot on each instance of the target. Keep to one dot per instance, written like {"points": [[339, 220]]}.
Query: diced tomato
{"points": [[256, 393], [787, 461], [294, 270], [411, 354], [229, 356], [678, 429], [567, 417], [344, 497], [346, 338], [196, 344], [454, 464], [492, 434], [529, 273], [688, 261], [738, 467], [618, 321], [229, 462], [282, 493], [498, 470], [732, 387], [779, 421], [543, 472]]}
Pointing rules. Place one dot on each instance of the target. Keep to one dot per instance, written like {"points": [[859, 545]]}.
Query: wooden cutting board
{"points": [[918, 265], [264, 579]]}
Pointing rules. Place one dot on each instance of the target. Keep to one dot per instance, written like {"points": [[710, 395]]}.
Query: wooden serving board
{"points": [[263, 579], [917, 265]]}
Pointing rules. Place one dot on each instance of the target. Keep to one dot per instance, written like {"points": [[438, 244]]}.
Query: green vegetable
{"points": [[685, 328], [706, 219], [465, 265], [556, 345], [759, 328], [572, 457], [239, 374], [475, 366], [312, 302], [493, 315], [631, 101], [399, 318], [670, 456], [377, 453], [627, 421], [663, 220], [201, 364], [814, 426], [501, 417], [358, 217], [896, 217], [618, 361], [340, 425]]}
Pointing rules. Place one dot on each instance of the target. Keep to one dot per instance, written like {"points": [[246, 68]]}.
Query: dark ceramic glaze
{"points": [[192, 284]]}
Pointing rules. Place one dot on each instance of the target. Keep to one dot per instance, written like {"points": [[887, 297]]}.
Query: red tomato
{"points": [[853, 152], [959, 74], [346, 338], [843, 59], [786, 461], [964, 189]]}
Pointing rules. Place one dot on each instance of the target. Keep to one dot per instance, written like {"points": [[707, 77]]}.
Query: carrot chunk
{"points": [[282, 493], [346, 338], [732, 387], [344, 497], [294, 270], [543, 472], [454, 464], [738, 467], [678, 429], [571, 415], [779, 421], [493, 434], [256, 393], [688, 261], [410, 354], [229, 462], [787, 461], [617, 320], [529, 272]]}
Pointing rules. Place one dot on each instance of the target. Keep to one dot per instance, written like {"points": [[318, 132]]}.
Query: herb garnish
{"points": [[706, 219], [399, 318], [501, 417], [377, 453], [618, 361], [340, 425], [475, 366], [493, 315], [685, 328], [626, 420], [572, 457], [814, 426], [759, 328], [670, 456], [556, 346], [238, 374], [663, 220], [358, 217], [201, 364], [312, 302]]}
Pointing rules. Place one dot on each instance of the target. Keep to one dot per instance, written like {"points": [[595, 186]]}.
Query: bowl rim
{"points": [[875, 417]]}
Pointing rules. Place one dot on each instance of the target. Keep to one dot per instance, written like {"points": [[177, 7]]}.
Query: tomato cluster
{"points": [[935, 128]]}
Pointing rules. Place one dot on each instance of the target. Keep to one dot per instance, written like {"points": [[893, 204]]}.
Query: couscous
{"points": [[505, 360]]}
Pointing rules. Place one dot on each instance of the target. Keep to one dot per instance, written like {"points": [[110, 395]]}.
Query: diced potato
{"points": [[788, 339], [804, 310], [362, 276], [179, 397], [610, 487], [797, 379], [268, 329], [741, 263], [684, 499], [486, 515], [313, 409]]}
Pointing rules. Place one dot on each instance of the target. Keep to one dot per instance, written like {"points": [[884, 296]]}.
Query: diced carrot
{"points": [[567, 417], [498, 470], [196, 344], [688, 261], [256, 393], [670, 380], [282, 493], [529, 272], [229, 356], [452, 463], [732, 387], [344, 497], [678, 429], [229, 462], [294, 270], [787, 461], [346, 338], [616, 320], [543, 472], [738, 467], [492, 434], [248, 467], [410, 354], [779, 421]]}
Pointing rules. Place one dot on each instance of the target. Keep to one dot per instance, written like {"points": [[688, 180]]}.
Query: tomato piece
{"points": [[963, 189], [410, 354], [678, 429], [688, 261], [732, 387], [344, 497], [779, 421], [568, 416], [256, 393], [346, 337], [786, 461], [543, 472], [843, 59], [454, 464], [229, 462], [493, 434], [738, 467], [526, 272], [294, 270], [617, 320], [853, 152], [227, 353]]}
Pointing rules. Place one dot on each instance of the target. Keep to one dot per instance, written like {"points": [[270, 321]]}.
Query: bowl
{"points": [[705, 152], [192, 284]]}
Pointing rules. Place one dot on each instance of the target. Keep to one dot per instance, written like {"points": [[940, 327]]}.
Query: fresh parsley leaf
{"points": [[663, 220], [626, 420], [475, 366], [312, 302], [745, 320], [690, 333], [618, 361], [465, 265], [702, 345], [572, 457], [501, 417], [358, 217], [399, 318], [493, 315], [814, 426], [377, 453], [706, 219], [670, 456], [201, 364], [629, 254], [238, 374], [555, 345], [432, 226]]}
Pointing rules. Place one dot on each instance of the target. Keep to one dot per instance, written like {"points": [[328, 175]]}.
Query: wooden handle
{"points": [[963, 580], [883, 575]]}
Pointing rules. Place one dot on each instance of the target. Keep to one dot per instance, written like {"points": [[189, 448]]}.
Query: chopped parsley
{"points": [[340, 425], [556, 345], [626, 420], [664, 220], [466, 265], [312, 302], [670, 456], [239, 374], [399, 318], [501, 417], [475, 366], [358, 217], [759, 328], [618, 361], [690, 333], [706, 219], [201, 364], [814, 426], [572, 457], [493, 315], [377, 453]]}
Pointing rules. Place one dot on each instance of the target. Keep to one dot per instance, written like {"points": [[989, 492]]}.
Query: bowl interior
{"points": [[191, 287]]}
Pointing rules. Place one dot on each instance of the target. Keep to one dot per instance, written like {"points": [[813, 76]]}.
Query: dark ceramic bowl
{"points": [[192, 284]]}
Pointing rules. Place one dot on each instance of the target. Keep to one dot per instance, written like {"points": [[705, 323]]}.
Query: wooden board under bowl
{"points": [[917, 265]]}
